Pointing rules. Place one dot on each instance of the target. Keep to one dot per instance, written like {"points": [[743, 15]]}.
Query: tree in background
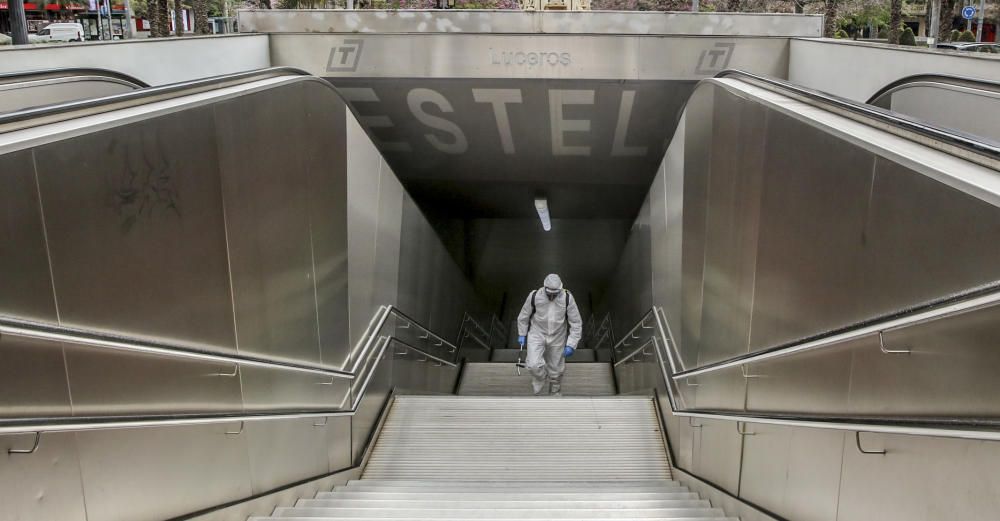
{"points": [[947, 17], [895, 21], [178, 18], [644, 5], [200, 8], [858, 15], [830, 18], [159, 19]]}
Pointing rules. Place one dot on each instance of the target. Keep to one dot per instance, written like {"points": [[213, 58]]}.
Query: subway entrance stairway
{"points": [[221, 296], [502, 457]]}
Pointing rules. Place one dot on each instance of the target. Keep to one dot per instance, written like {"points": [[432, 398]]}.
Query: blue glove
{"points": [[521, 339], [568, 351]]}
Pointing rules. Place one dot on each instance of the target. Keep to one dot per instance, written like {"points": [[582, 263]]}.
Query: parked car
{"points": [[991, 48], [60, 32]]}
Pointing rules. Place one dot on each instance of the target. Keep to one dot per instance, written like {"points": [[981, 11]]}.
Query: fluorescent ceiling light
{"points": [[542, 207]]}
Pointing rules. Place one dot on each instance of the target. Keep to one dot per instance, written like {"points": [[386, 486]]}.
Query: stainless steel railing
{"points": [[877, 327], [653, 331], [469, 329], [368, 353], [88, 338]]}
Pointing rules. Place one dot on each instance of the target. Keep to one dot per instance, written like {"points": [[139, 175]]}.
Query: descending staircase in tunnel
{"points": [[506, 458]]}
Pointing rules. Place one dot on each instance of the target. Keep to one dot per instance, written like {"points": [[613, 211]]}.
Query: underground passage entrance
{"points": [[309, 312]]}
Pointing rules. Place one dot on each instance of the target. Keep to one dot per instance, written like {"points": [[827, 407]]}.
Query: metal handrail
{"points": [[641, 324], [468, 318], [663, 342], [70, 72], [988, 152], [641, 348], [943, 308], [407, 345], [372, 343], [37, 116], [88, 338], [404, 316], [478, 340], [947, 79]]}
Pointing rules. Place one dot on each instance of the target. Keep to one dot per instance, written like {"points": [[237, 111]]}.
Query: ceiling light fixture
{"points": [[542, 207]]}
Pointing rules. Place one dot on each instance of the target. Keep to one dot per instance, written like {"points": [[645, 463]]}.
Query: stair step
{"points": [[506, 495], [502, 504], [708, 517], [581, 378], [482, 489], [510, 356], [473, 513]]}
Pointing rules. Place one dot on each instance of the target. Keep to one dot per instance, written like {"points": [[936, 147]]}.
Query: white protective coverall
{"points": [[549, 333]]}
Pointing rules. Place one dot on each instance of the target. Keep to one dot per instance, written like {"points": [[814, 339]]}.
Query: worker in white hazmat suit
{"points": [[550, 326]]}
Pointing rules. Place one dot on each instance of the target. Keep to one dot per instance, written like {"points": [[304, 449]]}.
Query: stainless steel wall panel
{"points": [[22, 242], [408, 291], [672, 241], [325, 162], [267, 223], [659, 258], [44, 485], [813, 382], [338, 442], [147, 384], [697, 158], [811, 263], [371, 405], [362, 222], [718, 453], [285, 451], [387, 239], [137, 238], [948, 372], [277, 389], [725, 389], [732, 219], [795, 472], [164, 472], [961, 484], [926, 240], [684, 440], [32, 378]]}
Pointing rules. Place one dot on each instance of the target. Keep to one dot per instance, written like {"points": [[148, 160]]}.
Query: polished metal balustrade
{"points": [[651, 337], [368, 353]]}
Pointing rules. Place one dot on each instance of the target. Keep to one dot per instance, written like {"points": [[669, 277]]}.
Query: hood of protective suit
{"points": [[553, 283]]}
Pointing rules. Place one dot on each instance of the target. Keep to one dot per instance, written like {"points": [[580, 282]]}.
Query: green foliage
{"points": [[908, 38], [883, 33], [841, 34], [967, 36], [955, 34]]}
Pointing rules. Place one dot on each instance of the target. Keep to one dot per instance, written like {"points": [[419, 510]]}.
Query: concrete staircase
{"points": [[510, 458], [455, 438], [484, 501]]}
